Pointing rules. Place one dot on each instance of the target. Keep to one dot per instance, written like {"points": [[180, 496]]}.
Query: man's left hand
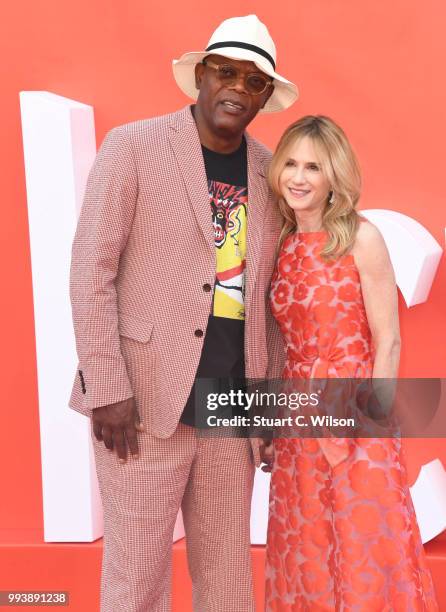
{"points": [[266, 450]]}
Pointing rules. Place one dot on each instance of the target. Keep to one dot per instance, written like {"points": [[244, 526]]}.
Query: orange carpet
{"points": [[27, 563]]}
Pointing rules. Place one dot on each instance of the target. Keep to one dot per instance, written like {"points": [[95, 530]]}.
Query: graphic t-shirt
{"points": [[222, 356]]}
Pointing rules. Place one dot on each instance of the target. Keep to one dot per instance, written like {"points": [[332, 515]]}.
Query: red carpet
{"points": [[27, 563]]}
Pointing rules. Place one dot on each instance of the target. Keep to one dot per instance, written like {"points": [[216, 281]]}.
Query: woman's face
{"points": [[302, 182]]}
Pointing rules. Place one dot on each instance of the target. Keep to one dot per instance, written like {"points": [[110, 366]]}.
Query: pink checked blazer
{"points": [[143, 250]]}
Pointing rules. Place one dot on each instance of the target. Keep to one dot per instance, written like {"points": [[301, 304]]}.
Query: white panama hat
{"points": [[239, 38]]}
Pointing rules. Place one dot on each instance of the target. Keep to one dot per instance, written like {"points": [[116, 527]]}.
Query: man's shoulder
{"points": [[259, 149], [152, 127]]}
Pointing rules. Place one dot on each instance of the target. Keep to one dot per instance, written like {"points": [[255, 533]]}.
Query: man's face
{"points": [[228, 108]]}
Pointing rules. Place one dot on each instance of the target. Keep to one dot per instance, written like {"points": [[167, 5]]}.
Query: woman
{"points": [[342, 532]]}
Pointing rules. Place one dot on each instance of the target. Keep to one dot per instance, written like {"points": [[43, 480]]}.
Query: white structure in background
{"points": [[415, 256], [59, 149], [429, 499], [259, 513], [414, 252]]}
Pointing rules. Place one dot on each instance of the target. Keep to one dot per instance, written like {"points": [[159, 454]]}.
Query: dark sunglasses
{"points": [[255, 83]]}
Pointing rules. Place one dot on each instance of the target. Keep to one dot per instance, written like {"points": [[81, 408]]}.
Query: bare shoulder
{"points": [[369, 249], [368, 236]]}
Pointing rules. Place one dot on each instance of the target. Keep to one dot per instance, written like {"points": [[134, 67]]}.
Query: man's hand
{"points": [[116, 425], [266, 450]]}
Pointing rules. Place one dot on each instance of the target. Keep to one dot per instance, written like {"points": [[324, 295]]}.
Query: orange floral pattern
{"points": [[342, 535]]}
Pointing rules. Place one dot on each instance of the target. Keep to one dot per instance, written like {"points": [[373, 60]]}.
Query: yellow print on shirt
{"points": [[229, 210]]}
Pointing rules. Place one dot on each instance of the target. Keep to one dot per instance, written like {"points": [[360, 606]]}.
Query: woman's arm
{"points": [[380, 298]]}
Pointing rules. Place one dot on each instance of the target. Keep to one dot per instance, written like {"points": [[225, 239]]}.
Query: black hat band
{"points": [[242, 45]]}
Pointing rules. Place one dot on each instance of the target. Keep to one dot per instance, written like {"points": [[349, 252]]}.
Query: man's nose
{"points": [[240, 84]]}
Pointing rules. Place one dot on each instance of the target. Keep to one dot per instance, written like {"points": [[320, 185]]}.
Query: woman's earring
{"points": [[331, 197]]}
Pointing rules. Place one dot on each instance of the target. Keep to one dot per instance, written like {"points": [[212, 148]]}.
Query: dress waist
{"points": [[319, 367]]}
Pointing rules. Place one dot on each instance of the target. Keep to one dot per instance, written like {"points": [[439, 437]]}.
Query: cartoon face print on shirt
{"points": [[228, 204]]}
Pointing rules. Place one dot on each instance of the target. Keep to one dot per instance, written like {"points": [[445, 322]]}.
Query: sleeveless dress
{"points": [[342, 532]]}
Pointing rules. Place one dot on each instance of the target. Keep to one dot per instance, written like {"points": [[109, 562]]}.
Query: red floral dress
{"points": [[342, 532]]}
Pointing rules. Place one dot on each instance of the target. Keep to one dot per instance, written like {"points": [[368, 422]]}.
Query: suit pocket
{"points": [[135, 328]]}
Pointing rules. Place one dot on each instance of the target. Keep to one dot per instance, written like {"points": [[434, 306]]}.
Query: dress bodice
{"points": [[319, 307]]}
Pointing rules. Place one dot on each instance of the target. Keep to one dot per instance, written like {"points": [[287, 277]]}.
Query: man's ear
{"points": [[269, 94], [199, 68]]}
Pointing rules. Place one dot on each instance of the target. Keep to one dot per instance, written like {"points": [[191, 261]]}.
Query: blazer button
{"points": [[198, 333], [207, 287]]}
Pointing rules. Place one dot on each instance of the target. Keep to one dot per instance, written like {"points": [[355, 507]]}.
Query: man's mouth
{"points": [[233, 107]]}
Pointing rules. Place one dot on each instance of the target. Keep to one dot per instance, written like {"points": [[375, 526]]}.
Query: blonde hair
{"points": [[340, 168]]}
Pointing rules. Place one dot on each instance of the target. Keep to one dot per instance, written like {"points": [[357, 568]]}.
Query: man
{"points": [[176, 209]]}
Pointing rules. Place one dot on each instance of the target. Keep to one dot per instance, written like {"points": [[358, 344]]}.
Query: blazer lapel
{"points": [[185, 142], [257, 199]]}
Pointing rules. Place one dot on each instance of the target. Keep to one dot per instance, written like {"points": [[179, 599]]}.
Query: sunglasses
{"points": [[228, 75]]}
